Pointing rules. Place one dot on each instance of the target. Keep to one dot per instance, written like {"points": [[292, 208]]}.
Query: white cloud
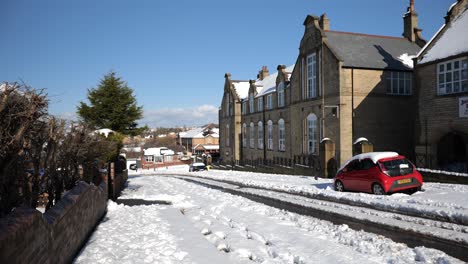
{"points": [[176, 117]]}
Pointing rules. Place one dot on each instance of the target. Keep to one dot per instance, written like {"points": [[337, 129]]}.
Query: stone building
{"points": [[442, 89], [343, 87]]}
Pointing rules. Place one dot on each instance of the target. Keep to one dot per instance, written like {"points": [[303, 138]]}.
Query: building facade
{"points": [[344, 86], [442, 87]]}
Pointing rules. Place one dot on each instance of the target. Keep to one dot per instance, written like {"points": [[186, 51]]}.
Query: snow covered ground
{"points": [[208, 226], [449, 201]]}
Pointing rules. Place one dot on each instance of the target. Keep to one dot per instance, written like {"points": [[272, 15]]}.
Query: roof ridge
{"points": [[367, 35]]}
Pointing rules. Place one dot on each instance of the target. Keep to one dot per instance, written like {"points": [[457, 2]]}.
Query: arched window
{"points": [[227, 135], [260, 135], [281, 94], [270, 135], [251, 103], [244, 135], [252, 135], [311, 134], [281, 135]]}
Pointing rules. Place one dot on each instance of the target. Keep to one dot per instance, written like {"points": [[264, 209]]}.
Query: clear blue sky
{"points": [[174, 54]]}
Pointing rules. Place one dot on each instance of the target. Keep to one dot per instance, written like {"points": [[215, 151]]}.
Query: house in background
{"points": [[442, 90], [343, 86], [156, 157], [198, 139]]}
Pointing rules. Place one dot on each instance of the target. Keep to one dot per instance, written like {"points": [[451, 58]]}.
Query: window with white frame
{"points": [[244, 107], [252, 135], [282, 135], [311, 76], [149, 158], [227, 135], [281, 94], [251, 103], [399, 83], [452, 76], [260, 104], [270, 135], [260, 135], [311, 134], [244, 135], [269, 102]]}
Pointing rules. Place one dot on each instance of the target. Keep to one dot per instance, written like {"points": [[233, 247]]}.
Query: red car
{"points": [[378, 173]]}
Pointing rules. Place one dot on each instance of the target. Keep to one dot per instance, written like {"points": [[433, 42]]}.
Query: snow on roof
{"points": [[374, 156], [198, 133], [268, 84], [360, 140], [211, 147], [158, 151], [453, 40], [104, 131], [407, 59], [242, 88]]}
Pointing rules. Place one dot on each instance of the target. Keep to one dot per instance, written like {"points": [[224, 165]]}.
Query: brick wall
{"points": [[27, 236]]}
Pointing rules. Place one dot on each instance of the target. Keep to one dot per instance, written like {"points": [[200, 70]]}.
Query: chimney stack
{"points": [[410, 23], [263, 73], [324, 22]]}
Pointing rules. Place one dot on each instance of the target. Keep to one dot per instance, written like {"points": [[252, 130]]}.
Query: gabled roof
{"points": [[242, 88], [268, 84], [200, 132], [370, 51], [452, 41]]}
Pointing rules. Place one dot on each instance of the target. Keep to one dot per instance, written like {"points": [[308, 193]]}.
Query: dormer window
{"points": [[260, 104], [269, 102], [281, 94], [252, 103]]}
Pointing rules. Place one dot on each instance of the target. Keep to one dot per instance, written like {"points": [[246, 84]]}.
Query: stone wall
{"points": [[27, 236]]}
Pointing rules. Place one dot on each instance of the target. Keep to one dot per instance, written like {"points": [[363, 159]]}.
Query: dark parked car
{"points": [[197, 166], [378, 173], [133, 166]]}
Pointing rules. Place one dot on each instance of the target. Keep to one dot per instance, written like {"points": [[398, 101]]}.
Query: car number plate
{"points": [[404, 181]]}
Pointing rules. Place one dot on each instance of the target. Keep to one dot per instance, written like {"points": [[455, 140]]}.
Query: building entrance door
{"points": [[452, 153]]}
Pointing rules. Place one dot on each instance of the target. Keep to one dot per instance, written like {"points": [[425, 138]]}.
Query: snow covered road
{"points": [[227, 228]]}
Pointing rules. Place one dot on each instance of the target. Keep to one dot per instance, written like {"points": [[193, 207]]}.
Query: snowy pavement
{"points": [[226, 228]]}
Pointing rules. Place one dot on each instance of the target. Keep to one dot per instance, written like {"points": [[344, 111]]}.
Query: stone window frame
{"points": [[252, 103], [311, 76], [270, 135], [260, 135], [260, 104], [281, 97], [244, 135], [252, 135], [269, 102], [396, 79], [458, 67], [281, 135], [311, 134]]}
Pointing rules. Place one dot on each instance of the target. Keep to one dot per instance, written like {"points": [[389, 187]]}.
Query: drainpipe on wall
{"points": [[352, 104]]}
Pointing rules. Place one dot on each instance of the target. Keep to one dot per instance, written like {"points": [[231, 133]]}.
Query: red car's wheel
{"points": [[378, 189], [339, 187]]}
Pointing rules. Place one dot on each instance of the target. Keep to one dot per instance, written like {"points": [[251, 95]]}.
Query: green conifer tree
{"points": [[112, 105]]}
